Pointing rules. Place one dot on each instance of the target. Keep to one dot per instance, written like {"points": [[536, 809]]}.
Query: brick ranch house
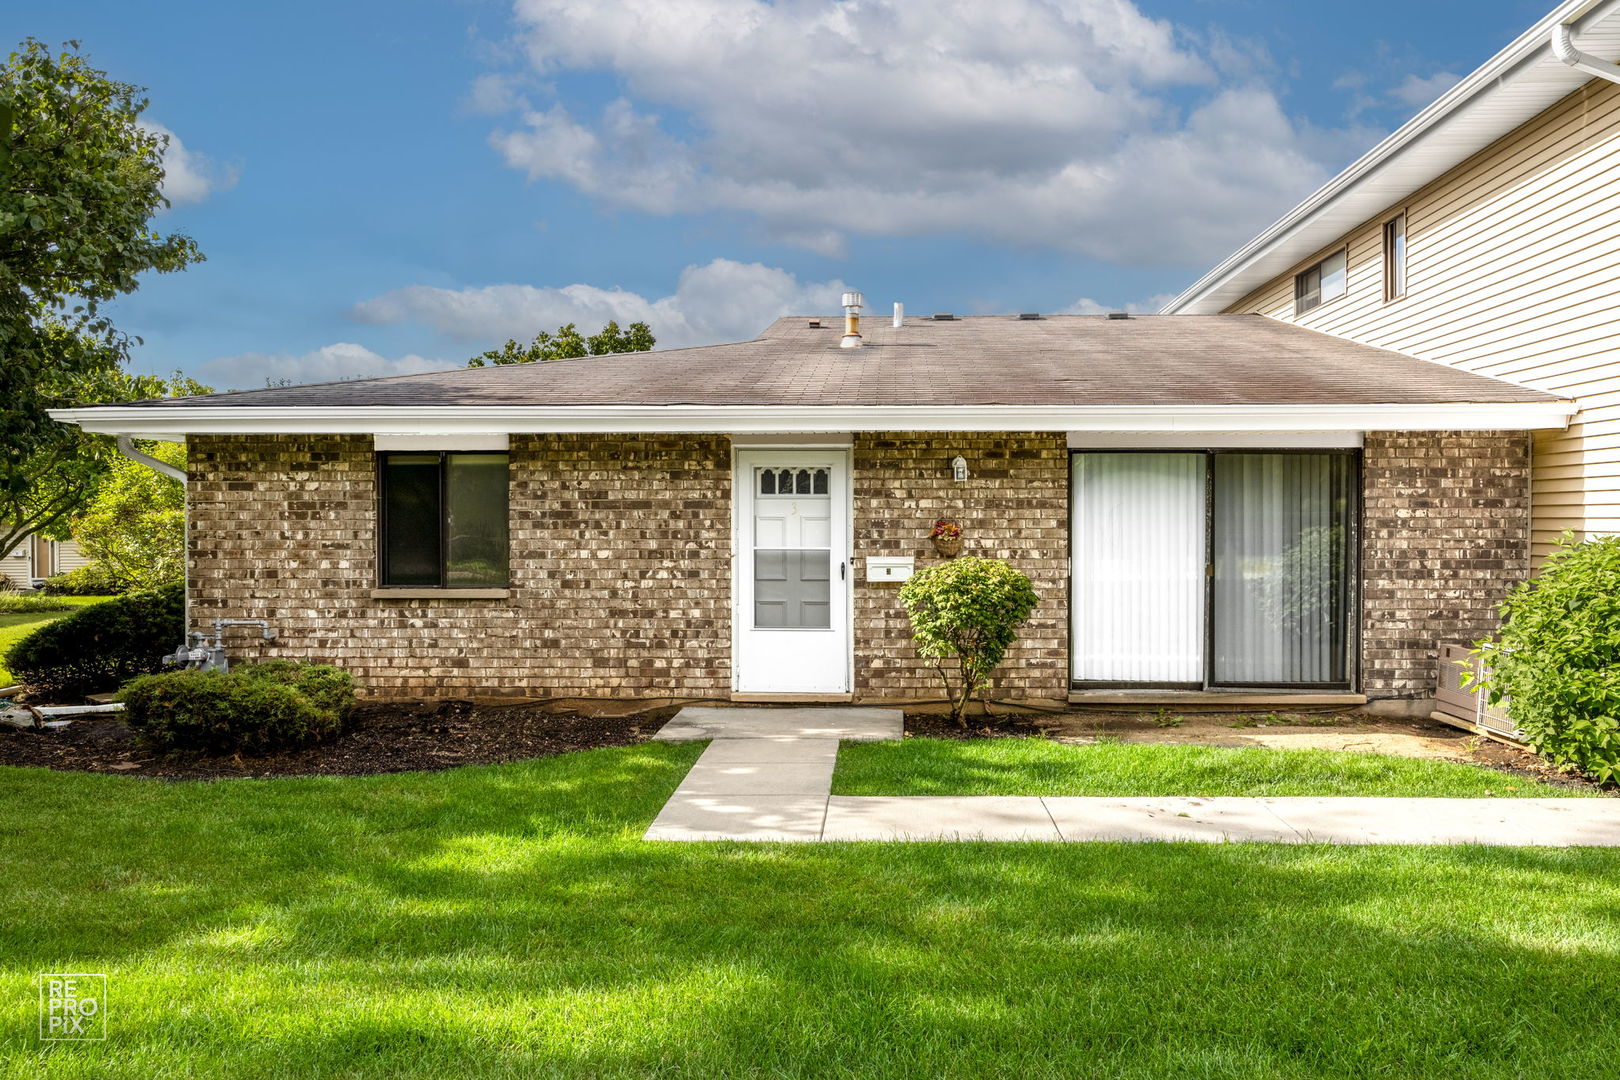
{"points": [[1221, 504]]}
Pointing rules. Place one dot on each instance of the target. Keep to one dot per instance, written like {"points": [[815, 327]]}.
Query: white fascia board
{"points": [[161, 422]]}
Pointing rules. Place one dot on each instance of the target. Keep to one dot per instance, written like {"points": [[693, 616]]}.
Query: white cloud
{"points": [[188, 176], [329, 363], [722, 301], [1030, 122], [1418, 92]]}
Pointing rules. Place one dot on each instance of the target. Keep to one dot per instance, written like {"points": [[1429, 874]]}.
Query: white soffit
{"points": [[1259, 440], [1514, 86], [789, 439], [462, 422], [469, 441]]}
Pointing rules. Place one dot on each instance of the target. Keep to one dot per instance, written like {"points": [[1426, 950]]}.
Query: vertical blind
{"points": [[1281, 588], [1274, 529], [1138, 536]]}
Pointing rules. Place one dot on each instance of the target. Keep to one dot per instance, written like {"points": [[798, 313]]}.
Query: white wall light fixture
{"points": [[959, 471]]}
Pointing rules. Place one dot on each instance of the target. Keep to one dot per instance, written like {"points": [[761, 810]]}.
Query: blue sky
{"points": [[386, 187]]}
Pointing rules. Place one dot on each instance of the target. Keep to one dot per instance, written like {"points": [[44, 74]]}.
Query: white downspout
{"points": [[126, 446], [1563, 47]]}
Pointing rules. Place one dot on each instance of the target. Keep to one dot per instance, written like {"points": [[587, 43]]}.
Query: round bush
{"points": [[252, 709], [1556, 660], [967, 609], [98, 647]]}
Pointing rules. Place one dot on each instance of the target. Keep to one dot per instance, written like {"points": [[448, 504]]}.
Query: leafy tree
{"points": [[80, 181], [60, 475], [135, 527], [968, 610], [568, 343]]}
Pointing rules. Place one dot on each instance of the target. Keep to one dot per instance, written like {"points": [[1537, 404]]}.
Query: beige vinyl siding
{"points": [[15, 567], [1512, 270], [69, 557], [20, 567]]}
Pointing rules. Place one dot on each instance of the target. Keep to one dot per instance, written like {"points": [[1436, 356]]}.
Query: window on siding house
{"points": [[1323, 282], [1395, 257], [444, 520]]}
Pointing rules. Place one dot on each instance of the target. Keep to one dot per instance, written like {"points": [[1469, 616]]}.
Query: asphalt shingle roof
{"points": [[978, 360]]}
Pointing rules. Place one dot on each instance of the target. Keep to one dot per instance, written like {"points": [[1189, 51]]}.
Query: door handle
{"points": [[841, 568]]}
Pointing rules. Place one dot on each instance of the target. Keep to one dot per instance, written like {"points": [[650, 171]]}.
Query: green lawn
{"points": [[1039, 767], [13, 628], [507, 921]]}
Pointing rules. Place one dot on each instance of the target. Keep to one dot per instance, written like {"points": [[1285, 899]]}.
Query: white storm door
{"points": [[791, 572]]}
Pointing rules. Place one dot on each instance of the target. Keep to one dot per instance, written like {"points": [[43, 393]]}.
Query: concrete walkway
{"points": [[767, 775]]}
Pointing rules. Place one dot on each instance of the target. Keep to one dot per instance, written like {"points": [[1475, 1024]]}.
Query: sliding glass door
{"points": [[1213, 568], [1280, 592]]}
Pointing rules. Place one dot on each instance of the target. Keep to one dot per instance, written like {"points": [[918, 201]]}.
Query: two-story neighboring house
{"points": [[1485, 235]]}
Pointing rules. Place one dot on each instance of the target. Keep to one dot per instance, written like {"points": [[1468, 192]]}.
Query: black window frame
{"points": [[1352, 628], [381, 466]]}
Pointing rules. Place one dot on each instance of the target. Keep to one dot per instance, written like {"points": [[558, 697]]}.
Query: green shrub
{"points": [[98, 647], [967, 609], [91, 579], [252, 709], [1557, 658], [15, 603]]}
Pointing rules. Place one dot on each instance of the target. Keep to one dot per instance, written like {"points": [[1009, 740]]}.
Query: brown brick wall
{"points": [[620, 575], [1014, 506], [621, 572], [1445, 534]]}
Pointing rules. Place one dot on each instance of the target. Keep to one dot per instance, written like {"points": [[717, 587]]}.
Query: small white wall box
{"points": [[890, 567]]}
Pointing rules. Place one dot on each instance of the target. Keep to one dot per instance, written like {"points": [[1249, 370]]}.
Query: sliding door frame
{"points": [[1353, 553]]}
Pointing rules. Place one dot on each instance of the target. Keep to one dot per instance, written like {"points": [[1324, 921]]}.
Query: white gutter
{"points": [[161, 422], [1563, 47]]}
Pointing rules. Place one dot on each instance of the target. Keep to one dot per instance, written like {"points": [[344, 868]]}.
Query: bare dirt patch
{"points": [[380, 738]]}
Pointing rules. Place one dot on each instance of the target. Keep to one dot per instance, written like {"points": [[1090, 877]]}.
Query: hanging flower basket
{"points": [[947, 538]]}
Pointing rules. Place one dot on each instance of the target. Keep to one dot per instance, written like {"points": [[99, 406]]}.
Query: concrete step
{"points": [[855, 724]]}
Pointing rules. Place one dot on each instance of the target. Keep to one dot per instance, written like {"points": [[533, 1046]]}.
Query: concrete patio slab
{"points": [[758, 778], [854, 724], [1499, 822], [740, 817], [938, 817], [1213, 820], [761, 751]]}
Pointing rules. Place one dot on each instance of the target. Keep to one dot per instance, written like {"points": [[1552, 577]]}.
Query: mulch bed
{"points": [[1000, 726], [380, 738]]}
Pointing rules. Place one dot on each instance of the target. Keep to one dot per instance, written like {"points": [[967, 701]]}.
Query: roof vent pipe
{"points": [[1563, 47], [899, 314], [852, 321]]}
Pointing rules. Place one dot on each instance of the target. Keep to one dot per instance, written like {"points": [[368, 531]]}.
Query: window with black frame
{"points": [[444, 519]]}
